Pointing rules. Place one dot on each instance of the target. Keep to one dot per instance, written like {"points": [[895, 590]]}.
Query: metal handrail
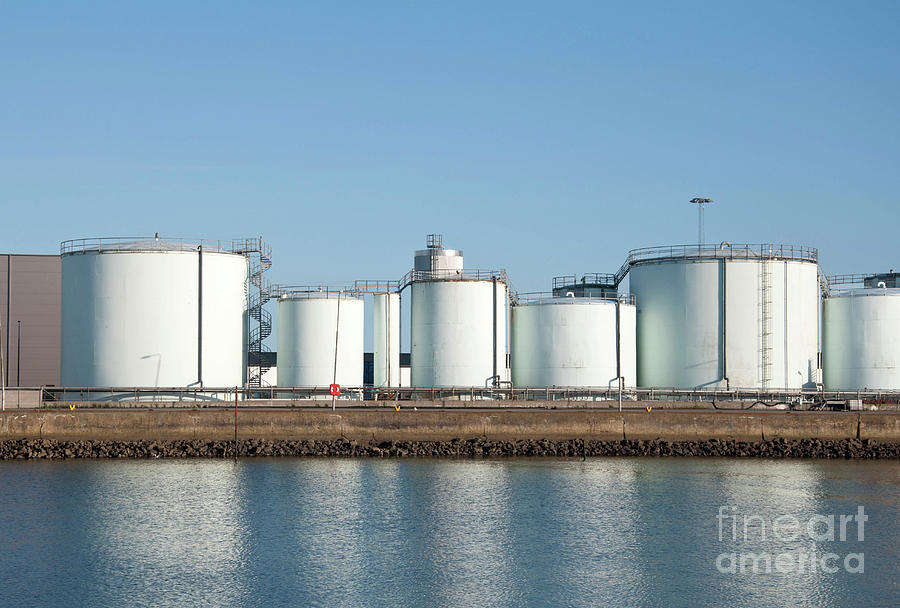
{"points": [[848, 279], [763, 251], [312, 292], [474, 274], [376, 286], [153, 243], [590, 279], [543, 297], [855, 284], [369, 395], [862, 291]]}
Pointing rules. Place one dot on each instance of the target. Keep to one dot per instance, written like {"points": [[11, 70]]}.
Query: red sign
{"points": [[335, 389]]}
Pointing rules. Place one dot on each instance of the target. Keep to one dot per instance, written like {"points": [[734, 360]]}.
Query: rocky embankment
{"points": [[27, 449]]}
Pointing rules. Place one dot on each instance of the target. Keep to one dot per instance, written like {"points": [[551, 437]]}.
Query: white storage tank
{"points": [[738, 316], [573, 341], [153, 313], [861, 334], [386, 339], [458, 330], [308, 319]]}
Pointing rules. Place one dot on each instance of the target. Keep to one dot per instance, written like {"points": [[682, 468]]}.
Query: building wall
{"points": [[30, 301]]}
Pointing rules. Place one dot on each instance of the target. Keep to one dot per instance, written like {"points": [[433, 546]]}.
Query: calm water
{"points": [[292, 532]]}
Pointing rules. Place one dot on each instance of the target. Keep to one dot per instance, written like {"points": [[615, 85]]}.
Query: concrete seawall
{"points": [[410, 425]]}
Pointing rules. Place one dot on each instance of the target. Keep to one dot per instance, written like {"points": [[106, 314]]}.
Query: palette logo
{"points": [[748, 529]]}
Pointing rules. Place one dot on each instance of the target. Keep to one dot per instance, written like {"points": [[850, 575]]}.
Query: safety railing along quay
{"points": [[369, 396]]}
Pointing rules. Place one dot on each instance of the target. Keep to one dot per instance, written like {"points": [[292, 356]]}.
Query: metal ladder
{"points": [[765, 323], [259, 255]]}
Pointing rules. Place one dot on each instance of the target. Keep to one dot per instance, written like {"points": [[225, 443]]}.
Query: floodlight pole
{"points": [[701, 205]]}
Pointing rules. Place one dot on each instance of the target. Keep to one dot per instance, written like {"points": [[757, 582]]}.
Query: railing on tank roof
{"points": [[850, 284], [152, 243], [375, 286], [414, 276], [313, 292], [590, 279], [727, 251], [541, 297]]}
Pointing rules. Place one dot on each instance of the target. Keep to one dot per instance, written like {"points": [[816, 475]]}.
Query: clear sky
{"points": [[543, 137]]}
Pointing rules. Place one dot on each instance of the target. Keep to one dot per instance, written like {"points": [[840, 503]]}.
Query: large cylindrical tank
{"points": [[578, 342], [741, 316], [152, 314], [307, 322], [457, 332], [861, 340], [386, 339]]}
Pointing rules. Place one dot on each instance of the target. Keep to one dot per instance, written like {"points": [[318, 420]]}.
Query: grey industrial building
{"points": [[30, 304]]}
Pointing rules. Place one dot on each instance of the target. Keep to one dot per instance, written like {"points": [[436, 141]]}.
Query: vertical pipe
{"points": [[400, 338], [18, 352], [786, 367], [725, 323], [337, 329], [494, 299], [388, 339], [8, 292], [200, 315], [619, 380], [2, 377]]}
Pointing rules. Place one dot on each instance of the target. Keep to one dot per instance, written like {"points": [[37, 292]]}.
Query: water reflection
{"points": [[165, 532], [286, 532]]}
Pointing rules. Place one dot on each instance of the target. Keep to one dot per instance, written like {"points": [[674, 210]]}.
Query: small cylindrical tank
{"points": [[437, 260], [152, 313], [738, 316], [572, 341], [386, 339], [310, 324], [861, 338]]}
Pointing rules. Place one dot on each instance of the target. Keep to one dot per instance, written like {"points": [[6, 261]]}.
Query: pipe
{"points": [[8, 309], [337, 331], [494, 284], [725, 324], [619, 379], [200, 315]]}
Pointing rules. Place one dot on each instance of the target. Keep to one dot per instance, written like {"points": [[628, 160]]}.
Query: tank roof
{"points": [[543, 297], [313, 292], [417, 276], [118, 244], [723, 251], [591, 279], [862, 284]]}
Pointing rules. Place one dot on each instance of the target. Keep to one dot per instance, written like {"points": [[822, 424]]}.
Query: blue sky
{"points": [[543, 137]]}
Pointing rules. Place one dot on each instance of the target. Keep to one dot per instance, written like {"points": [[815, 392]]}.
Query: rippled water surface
{"points": [[320, 532]]}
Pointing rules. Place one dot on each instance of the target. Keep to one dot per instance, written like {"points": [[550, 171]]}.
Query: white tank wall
{"points": [[386, 339], [861, 340], [451, 333], [572, 343], [681, 312], [131, 319], [306, 330]]}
